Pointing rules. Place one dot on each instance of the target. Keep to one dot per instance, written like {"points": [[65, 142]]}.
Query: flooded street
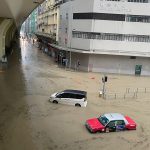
{"points": [[28, 121], [25, 88]]}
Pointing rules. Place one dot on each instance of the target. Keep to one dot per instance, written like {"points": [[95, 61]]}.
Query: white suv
{"points": [[71, 97]]}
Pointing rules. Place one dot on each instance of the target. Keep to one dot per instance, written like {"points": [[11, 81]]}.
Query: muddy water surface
{"points": [[29, 122]]}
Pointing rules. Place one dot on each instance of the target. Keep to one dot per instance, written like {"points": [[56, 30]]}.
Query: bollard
{"points": [[115, 96], [100, 93], [135, 95]]}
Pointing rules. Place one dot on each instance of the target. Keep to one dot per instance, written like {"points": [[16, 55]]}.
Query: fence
{"points": [[138, 90], [120, 96], [129, 93]]}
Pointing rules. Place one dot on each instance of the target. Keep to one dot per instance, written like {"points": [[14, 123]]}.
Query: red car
{"points": [[110, 122]]}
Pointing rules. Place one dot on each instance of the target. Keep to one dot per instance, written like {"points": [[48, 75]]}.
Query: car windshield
{"points": [[103, 120], [58, 93]]}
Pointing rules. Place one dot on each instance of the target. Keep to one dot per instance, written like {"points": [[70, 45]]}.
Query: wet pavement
{"points": [[28, 121], [22, 80]]}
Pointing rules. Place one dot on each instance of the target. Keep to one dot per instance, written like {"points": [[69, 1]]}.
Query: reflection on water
{"points": [[25, 86], [22, 80]]}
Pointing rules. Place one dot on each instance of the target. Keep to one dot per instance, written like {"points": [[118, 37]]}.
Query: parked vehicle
{"points": [[71, 97], [110, 122]]}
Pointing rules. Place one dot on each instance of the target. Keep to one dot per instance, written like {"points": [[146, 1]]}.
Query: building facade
{"points": [[106, 36]]}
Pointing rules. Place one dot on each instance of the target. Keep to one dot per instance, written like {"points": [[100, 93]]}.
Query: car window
{"points": [[63, 95], [72, 95], [111, 124], [120, 122], [80, 96], [103, 120], [58, 95]]}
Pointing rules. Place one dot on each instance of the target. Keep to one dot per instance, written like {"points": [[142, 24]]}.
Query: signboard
{"points": [[138, 69]]}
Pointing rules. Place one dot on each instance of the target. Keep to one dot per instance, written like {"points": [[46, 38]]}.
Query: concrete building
{"points": [[29, 27], [33, 21], [106, 36], [48, 19]]}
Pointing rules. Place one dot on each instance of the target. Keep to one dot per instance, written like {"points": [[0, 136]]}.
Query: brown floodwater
{"points": [[28, 121], [22, 79]]}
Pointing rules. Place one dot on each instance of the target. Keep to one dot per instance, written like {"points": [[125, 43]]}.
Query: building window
{"points": [[113, 17], [132, 57], [66, 30], [111, 36], [65, 41], [113, 0], [137, 18], [135, 1], [139, 1], [67, 16], [99, 16], [60, 17]]}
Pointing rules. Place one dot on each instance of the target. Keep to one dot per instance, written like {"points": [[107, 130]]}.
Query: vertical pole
{"points": [[103, 89], [70, 60], [70, 32]]}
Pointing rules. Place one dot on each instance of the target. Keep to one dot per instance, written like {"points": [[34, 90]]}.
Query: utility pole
{"points": [[104, 79]]}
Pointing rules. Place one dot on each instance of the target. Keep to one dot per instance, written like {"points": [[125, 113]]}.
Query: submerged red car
{"points": [[110, 122]]}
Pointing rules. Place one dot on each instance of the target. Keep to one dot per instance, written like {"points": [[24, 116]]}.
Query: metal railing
{"points": [[138, 90], [129, 93]]}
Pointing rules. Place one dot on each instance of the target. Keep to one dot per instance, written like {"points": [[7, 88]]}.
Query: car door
{"points": [[111, 126], [72, 98], [64, 98], [120, 125], [58, 97]]}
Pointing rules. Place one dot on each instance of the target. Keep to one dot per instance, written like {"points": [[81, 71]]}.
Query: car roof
{"points": [[114, 116], [75, 91]]}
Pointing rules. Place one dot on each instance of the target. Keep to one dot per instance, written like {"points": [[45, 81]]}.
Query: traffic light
{"points": [[105, 78]]}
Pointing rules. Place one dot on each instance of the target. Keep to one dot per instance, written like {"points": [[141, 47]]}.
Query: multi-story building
{"points": [[48, 18], [33, 21], [106, 35], [29, 27]]}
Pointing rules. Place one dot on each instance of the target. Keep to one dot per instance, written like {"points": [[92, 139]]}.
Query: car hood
{"points": [[53, 95], [94, 123]]}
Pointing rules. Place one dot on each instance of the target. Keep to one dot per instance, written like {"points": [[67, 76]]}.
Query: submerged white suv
{"points": [[71, 97]]}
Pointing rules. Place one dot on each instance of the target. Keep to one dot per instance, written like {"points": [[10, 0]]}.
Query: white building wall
{"points": [[122, 27], [118, 64], [121, 7], [114, 56], [83, 59], [116, 27], [122, 47], [65, 23], [79, 44], [83, 6]]}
